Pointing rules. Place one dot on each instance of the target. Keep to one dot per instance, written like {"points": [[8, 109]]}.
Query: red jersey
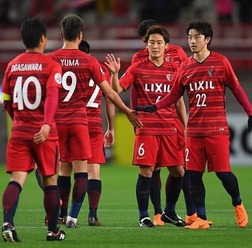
{"points": [[205, 85], [152, 83], [173, 53], [94, 95], [78, 69], [26, 81]]}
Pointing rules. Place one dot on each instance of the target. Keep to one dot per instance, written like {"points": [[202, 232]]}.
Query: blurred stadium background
{"points": [[111, 27]]}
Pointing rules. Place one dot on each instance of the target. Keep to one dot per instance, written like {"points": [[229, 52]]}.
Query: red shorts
{"points": [[97, 147], [150, 150], [211, 152], [23, 154], [74, 143]]}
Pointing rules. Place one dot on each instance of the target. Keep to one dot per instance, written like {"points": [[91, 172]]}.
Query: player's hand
{"points": [[112, 63], [42, 134], [134, 119], [147, 108], [250, 123], [108, 139]]}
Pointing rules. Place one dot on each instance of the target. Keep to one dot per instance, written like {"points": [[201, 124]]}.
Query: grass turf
{"points": [[119, 216]]}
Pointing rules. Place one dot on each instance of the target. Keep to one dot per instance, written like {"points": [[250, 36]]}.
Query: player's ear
{"points": [[61, 34], [208, 39], [80, 36], [43, 39]]}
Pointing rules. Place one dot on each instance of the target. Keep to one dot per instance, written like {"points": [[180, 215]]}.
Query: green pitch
{"points": [[119, 216]]}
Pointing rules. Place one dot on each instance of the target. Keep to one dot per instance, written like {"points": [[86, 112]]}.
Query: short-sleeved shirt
{"points": [[152, 83], [78, 69]]}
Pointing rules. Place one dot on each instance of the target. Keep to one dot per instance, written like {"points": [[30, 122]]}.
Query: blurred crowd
{"points": [[127, 11]]}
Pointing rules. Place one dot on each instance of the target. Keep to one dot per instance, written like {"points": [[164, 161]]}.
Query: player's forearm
{"points": [[110, 114], [242, 98], [117, 101], [167, 101], [181, 111], [115, 83]]}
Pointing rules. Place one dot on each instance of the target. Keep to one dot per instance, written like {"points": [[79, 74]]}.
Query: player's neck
{"points": [[158, 61], [201, 56], [34, 50], [70, 45]]}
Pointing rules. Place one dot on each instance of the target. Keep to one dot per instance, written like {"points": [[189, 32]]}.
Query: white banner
{"points": [[241, 140]]}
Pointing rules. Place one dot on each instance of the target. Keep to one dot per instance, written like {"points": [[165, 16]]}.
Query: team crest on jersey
{"points": [[58, 78], [168, 58], [169, 77], [211, 72]]}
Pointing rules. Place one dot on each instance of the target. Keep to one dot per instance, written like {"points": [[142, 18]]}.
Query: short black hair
{"points": [[157, 29], [84, 46], [203, 27], [32, 30], [144, 25], [71, 26]]}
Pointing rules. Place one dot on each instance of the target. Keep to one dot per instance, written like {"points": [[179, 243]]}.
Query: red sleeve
{"points": [[8, 107], [51, 104], [167, 101], [242, 98]]}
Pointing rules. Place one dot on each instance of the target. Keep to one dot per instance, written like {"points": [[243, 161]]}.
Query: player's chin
{"points": [[194, 49]]}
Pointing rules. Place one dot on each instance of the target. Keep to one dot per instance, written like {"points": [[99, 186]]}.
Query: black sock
{"points": [[10, 201], [155, 191], [143, 194], [64, 184], [172, 191], [230, 183], [198, 192], [94, 193], [190, 208]]}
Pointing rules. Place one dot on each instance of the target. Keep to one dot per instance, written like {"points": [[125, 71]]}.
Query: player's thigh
{"points": [[218, 153], [170, 152], [47, 157], [145, 150], [80, 148], [195, 156], [98, 155], [19, 156], [64, 143]]}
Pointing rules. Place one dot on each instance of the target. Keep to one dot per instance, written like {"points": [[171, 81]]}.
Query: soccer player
{"points": [[177, 55], [205, 76], [157, 142], [30, 93], [71, 116], [98, 142]]}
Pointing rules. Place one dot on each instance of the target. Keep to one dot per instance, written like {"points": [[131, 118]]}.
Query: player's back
{"points": [[94, 95], [78, 69], [27, 78]]}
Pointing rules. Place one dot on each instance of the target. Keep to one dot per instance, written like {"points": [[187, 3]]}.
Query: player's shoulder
{"points": [[141, 63], [218, 55], [174, 47], [139, 55]]}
